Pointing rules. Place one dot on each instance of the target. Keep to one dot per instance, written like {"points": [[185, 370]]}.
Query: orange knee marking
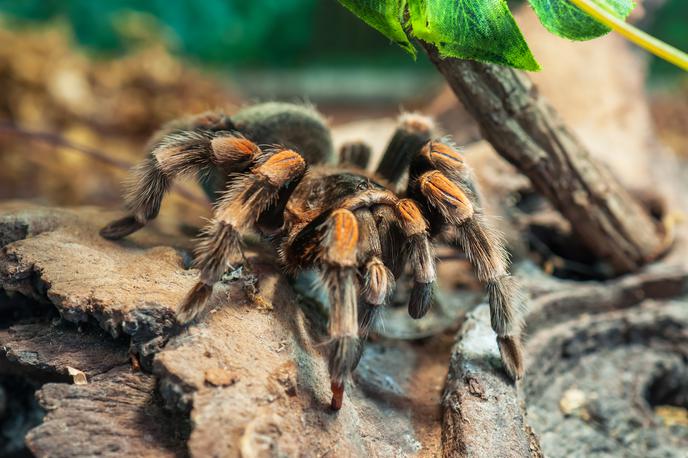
{"points": [[282, 167], [411, 218], [232, 149], [441, 153], [378, 282], [344, 238], [438, 188]]}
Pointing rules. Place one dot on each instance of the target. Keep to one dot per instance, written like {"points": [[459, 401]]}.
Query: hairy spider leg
{"points": [[246, 198], [391, 237], [441, 180], [419, 253], [356, 154], [412, 132], [378, 280], [212, 120], [175, 154], [339, 262]]}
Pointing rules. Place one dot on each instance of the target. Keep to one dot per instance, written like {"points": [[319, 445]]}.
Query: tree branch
{"points": [[525, 130]]}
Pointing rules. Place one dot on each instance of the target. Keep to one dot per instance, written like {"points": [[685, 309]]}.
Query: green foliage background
{"points": [[670, 24], [265, 33], [210, 30], [234, 33], [482, 30]]}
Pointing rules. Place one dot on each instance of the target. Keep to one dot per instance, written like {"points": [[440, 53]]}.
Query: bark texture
{"points": [[114, 415], [608, 384], [482, 414], [524, 128], [250, 378]]}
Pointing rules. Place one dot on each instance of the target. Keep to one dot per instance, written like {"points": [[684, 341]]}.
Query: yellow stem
{"points": [[642, 39]]}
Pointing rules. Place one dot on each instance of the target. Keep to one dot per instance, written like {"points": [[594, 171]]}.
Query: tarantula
{"points": [[272, 165]]}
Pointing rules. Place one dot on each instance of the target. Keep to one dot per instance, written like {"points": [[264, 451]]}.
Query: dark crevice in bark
{"points": [[19, 412], [669, 388]]}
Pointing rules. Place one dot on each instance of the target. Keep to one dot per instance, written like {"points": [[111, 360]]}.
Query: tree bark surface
{"points": [[249, 378]]}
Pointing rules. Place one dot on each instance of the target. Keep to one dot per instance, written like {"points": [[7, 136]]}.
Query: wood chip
{"points": [[78, 377], [220, 377], [572, 400]]}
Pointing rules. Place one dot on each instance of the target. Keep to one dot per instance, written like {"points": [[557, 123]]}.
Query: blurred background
{"points": [[84, 83]]}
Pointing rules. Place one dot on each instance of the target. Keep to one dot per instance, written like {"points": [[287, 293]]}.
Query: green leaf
{"points": [[482, 30], [385, 16], [563, 18]]}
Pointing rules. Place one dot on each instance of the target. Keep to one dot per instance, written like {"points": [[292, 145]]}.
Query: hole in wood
{"points": [[669, 388], [555, 248]]}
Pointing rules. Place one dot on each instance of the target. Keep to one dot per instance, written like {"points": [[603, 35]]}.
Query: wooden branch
{"points": [[482, 414], [526, 131]]}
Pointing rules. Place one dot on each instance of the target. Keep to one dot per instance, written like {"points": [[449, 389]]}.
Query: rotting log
{"points": [[115, 414], [95, 403]]}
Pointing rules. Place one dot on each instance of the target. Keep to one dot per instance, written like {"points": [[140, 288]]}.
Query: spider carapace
{"points": [[272, 167]]}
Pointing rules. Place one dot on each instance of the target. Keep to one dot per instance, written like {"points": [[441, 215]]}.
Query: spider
{"points": [[273, 165]]}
